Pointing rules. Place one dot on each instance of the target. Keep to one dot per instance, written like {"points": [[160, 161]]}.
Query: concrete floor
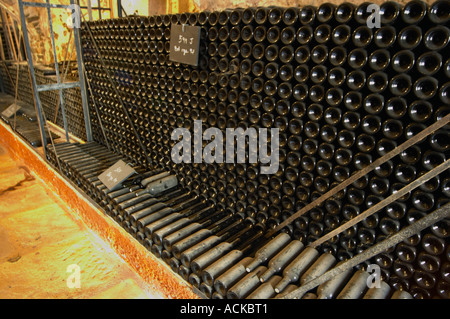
{"points": [[40, 242]]}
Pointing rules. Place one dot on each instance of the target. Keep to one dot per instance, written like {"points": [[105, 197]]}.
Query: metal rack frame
{"points": [[89, 7], [59, 85], [12, 35]]}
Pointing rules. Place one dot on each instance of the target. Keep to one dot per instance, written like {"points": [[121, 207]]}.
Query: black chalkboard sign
{"points": [[184, 44]]}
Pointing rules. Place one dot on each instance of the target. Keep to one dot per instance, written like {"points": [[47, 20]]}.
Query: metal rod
{"points": [[97, 111], [2, 53], [95, 8], [119, 8], [61, 98], [89, 7], [57, 86], [81, 80], [19, 53], [45, 5], [15, 95], [3, 6], [65, 69], [37, 100], [9, 75], [11, 37], [7, 35]]}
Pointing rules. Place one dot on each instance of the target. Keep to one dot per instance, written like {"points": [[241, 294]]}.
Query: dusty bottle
{"points": [[207, 258], [323, 263], [331, 288], [294, 270], [231, 276], [186, 237], [268, 250], [244, 286], [210, 273], [158, 186], [179, 202], [138, 203], [174, 218], [265, 290], [193, 252], [281, 259]]}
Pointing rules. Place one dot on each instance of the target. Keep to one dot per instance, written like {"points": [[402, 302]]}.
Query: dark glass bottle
{"points": [[353, 100], [305, 34], [377, 82], [437, 38], [379, 59], [425, 87], [389, 11], [406, 253], [344, 12], [431, 159], [389, 226], [392, 129], [362, 36], [422, 201], [336, 76], [413, 12], [429, 63], [319, 54], [322, 33], [341, 34], [337, 56], [357, 58], [371, 124]]}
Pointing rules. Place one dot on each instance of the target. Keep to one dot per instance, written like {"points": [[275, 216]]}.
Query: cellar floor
{"points": [[40, 240]]}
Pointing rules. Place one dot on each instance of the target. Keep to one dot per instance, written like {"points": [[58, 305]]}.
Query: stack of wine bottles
{"points": [[6, 49], [9, 72], [220, 253], [342, 90], [24, 121], [49, 99], [72, 101]]}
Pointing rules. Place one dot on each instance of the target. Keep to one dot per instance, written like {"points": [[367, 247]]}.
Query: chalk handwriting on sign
{"points": [[183, 40], [184, 51], [116, 174], [184, 44]]}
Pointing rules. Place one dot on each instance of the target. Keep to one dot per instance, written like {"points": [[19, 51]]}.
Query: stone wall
{"points": [[39, 31]]}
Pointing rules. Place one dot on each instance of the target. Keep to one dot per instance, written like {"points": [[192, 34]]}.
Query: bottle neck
{"points": [[170, 194], [197, 211], [185, 199], [207, 219], [240, 236], [189, 205], [224, 222], [226, 233]]}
